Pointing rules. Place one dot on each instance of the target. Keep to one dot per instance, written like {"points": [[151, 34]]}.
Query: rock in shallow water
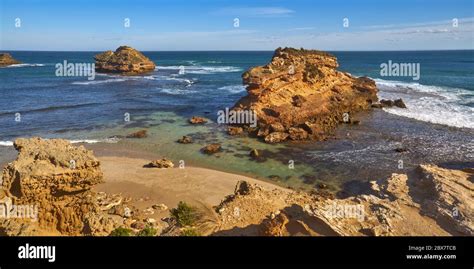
{"points": [[303, 89]]}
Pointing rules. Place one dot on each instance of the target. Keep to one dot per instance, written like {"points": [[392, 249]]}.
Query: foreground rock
{"points": [[300, 95], [55, 178], [448, 196], [438, 203], [6, 59], [125, 60]]}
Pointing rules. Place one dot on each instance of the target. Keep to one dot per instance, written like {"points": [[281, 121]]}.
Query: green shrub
{"points": [[190, 232], [147, 231], [184, 214], [120, 231]]}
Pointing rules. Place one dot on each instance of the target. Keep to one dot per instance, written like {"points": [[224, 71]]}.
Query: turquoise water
{"points": [[437, 126]]}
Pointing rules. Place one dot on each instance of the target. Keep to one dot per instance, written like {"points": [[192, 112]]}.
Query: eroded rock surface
{"points": [[430, 205], [55, 178], [303, 95], [6, 59], [125, 60]]}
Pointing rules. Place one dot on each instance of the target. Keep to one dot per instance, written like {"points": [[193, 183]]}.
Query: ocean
{"points": [[438, 125]]}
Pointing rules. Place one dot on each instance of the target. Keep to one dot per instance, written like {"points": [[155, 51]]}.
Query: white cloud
{"points": [[255, 11]]}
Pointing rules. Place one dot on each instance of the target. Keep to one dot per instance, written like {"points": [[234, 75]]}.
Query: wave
{"points": [[203, 70], [434, 104], [118, 78], [49, 108], [6, 143], [176, 91], [94, 82], [233, 88], [24, 65]]}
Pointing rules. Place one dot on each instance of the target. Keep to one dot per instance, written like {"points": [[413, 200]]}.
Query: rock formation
{"points": [[197, 120], [138, 134], [163, 163], [55, 178], [440, 202], [125, 60], [185, 140], [212, 148], [6, 59], [300, 95]]}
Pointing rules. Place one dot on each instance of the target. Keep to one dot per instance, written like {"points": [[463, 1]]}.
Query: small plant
{"points": [[120, 231], [147, 231], [190, 232], [184, 214]]}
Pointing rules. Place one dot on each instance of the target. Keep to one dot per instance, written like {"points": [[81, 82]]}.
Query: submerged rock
{"points": [[300, 93], [6, 59], [197, 120], [233, 130], [185, 140], [125, 60], [138, 134], [212, 148], [254, 153]]}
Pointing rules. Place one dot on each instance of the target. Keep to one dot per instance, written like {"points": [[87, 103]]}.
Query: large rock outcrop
{"points": [[437, 202], [300, 95], [125, 60], [6, 59], [55, 178]]}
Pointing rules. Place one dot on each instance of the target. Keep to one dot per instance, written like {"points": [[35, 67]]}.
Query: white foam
{"points": [[24, 65], [434, 104], [93, 82], [6, 143], [203, 70], [233, 88], [176, 91]]}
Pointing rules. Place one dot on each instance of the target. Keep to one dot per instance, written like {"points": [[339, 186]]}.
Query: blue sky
{"points": [[210, 24]]}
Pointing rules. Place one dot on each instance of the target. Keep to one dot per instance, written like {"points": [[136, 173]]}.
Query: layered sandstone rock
{"points": [[437, 203], [56, 178], [6, 59], [448, 197], [300, 95], [125, 60]]}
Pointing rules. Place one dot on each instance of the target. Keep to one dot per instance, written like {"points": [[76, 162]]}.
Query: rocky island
{"points": [[301, 95], [6, 59], [125, 60]]}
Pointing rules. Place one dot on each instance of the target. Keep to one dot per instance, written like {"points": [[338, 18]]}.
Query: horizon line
{"points": [[408, 50]]}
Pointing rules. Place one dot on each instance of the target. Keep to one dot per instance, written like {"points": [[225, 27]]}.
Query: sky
{"points": [[164, 25]]}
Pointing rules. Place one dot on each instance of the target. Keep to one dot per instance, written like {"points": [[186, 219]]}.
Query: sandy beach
{"points": [[148, 186]]}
